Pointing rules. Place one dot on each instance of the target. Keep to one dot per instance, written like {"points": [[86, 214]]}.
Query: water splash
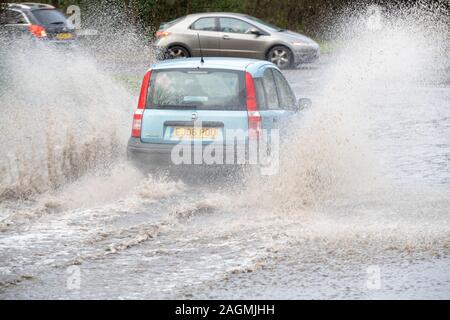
{"points": [[333, 152], [65, 112]]}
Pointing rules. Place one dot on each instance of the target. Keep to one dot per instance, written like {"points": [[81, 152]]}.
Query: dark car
{"points": [[37, 21]]}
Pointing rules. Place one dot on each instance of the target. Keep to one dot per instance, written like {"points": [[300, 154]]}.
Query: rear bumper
{"points": [[149, 154], [164, 155]]}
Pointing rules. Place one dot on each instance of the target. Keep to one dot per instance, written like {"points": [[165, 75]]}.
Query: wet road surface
{"points": [[360, 209]]}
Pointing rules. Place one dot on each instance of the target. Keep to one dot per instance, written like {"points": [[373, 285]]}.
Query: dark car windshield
{"points": [[266, 24], [50, 17], [199, 89]]}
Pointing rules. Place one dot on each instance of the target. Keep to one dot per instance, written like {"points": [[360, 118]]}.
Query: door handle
{"points": [[226, 37]]}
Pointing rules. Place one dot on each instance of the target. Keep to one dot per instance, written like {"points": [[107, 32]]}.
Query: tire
{"points": [[176, 52], [281, 56]]}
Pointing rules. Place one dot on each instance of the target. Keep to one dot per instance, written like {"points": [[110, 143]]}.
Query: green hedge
{"points": [[313, 17]]}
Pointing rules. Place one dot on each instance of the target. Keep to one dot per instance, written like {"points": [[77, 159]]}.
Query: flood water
{"points": [[360, 208]]}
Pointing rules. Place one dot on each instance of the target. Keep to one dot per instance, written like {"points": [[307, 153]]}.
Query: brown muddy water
{"points": [[360, 207]]}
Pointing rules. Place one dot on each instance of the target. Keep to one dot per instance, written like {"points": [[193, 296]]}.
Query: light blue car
{"points": [[217, 106]]}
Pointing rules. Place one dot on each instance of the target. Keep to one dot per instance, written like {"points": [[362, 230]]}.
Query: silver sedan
{"points": [[234, 35]]}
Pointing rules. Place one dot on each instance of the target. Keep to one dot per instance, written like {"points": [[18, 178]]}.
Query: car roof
{"points": [[28, 6], [238, 64], [209, 14]]}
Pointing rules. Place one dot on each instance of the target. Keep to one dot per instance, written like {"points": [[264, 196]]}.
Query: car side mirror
{"points": [[304, 104], [256, 32]]}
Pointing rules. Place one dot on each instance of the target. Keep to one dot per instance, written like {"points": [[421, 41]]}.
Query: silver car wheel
{"points": [[281, 57], [177, 52]]}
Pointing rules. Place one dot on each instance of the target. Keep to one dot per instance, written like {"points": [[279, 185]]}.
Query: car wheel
{"points": [[281, 56], [176, 52]]}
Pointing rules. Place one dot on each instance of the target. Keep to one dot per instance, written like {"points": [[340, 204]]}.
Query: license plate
{"points": [[195, 133], [64, 36]]}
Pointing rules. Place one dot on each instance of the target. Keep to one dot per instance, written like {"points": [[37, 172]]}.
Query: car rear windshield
{"points": [[166, 25], [51, 17], [197, 88]]}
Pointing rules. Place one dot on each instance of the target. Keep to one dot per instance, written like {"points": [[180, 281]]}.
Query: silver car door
{"points": [[206, 29], [237, 41]]}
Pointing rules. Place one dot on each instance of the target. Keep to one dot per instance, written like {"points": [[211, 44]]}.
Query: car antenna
{"points": [[201, 51]]}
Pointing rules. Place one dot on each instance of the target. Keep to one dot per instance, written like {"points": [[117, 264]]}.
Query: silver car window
{"points": [[260, 94], [231, 25], [270, 89], [271, 27], [204, 24], [169, 24], [286, 96]]}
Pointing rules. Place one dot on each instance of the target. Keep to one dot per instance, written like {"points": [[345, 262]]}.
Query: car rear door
{"points": [[237, 41], [206, 29]]}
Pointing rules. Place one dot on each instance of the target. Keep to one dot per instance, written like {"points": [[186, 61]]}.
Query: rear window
{"points": [[198, 89], [49, 17], [166, 25]]}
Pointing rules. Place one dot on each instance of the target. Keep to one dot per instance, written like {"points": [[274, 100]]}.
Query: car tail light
{"points": [[254, 117], [137, 123], [144, 90], [162, 34], [137, 117], [38, 31]]}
